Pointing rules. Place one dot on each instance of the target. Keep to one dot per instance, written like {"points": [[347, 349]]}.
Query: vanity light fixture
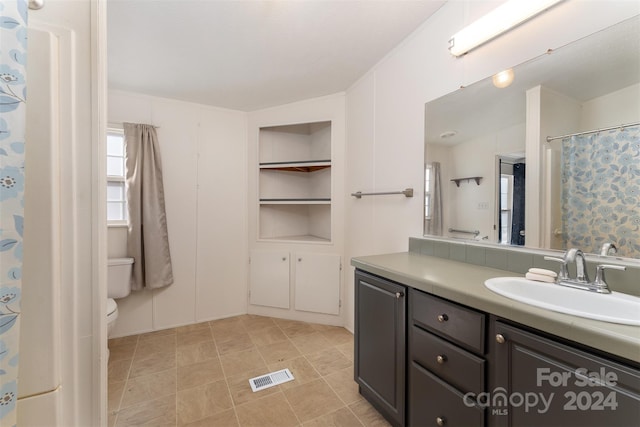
{"points": [[496, 22], [503, 79]]}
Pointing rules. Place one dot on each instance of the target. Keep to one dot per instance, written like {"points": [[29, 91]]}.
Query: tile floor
{"points": [[197, 375]]}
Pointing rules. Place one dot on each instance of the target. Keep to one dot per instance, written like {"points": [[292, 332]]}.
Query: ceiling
{"points": [[596, 65], [248, 55]]}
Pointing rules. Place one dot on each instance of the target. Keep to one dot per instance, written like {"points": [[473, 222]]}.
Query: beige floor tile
{"points": [[118, 370], [227, 323], [328, 361], [368, 415], [252, 322], [156, 345], [242, 361], [311, 343], [111, 419], [235, 343], [347, 349], [344, 385], [156, 334], [265, 336], [285, 323], [337, 335], [343, 417], [241, 389], [301, 370], [279, 352], [297, 329], [188, 354], [195, 337], [270, 411], [199, 373], [191, 328], [204, 401], [122, 340], [149, 387], [222, 419], [159, 412], [157, 362], [122, 352], [313, 400], [114, 395]]}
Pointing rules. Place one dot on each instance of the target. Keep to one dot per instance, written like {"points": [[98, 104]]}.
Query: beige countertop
{"points": [[464, 283]]}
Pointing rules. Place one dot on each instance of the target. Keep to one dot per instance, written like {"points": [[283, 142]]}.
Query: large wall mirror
{"points": [[502, 165]]}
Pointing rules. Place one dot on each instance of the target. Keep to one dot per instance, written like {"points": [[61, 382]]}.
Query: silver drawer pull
{"points": [[440, 421], [441, 359], [500, 339], [399, 295], [442, 318]]}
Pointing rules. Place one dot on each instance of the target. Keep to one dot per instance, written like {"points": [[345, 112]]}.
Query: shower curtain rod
{"points": [[552, 138]]}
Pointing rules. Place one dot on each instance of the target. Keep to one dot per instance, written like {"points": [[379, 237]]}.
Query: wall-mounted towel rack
{"points": [[455, 230], [408, 192]]}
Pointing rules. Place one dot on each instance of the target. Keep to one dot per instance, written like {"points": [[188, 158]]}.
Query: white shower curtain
{"points": [[148, 237]]}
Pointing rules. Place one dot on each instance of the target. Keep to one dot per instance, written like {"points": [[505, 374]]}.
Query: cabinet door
{"points": [[380, 343], [317, 283], [269, 279], [547, 383]]}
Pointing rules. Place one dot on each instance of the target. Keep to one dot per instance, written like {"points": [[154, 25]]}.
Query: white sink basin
{"points": [[614, 307]]}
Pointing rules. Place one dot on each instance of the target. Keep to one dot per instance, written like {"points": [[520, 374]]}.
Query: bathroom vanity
{"points": [[435, 347]]}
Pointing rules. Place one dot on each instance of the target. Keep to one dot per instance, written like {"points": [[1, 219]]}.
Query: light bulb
{"points": [[503, 78]]}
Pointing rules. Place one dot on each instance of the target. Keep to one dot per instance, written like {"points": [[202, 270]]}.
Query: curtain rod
{"points": [[551, 138]]}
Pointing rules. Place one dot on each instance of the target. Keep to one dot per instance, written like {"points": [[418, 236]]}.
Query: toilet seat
{"points": [[112, 307]]}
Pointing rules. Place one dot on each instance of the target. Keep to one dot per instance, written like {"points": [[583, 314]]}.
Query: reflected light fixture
{"points": [[496, 22], [503, 78]]}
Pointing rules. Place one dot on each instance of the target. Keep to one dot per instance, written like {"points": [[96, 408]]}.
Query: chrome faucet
{"points": [[581, 280], [577, 256], [608, 249]]}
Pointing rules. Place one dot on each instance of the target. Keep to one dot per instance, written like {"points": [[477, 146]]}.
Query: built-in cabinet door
{"points": [[317, 282], [269, 278], [380, 344], [540, 382]]}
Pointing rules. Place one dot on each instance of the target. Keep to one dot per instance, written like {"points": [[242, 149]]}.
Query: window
{"points": [[116, 191], [427, 192]]}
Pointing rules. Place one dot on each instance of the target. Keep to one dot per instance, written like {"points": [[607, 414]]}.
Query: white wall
{"points": [[616, 108], [385, 109], [205, 180]]}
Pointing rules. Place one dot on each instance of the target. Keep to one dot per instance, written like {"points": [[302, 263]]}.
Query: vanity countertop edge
{"points": [[464, 283]]}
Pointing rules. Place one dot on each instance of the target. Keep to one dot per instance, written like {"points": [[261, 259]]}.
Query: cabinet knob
{"points": [[284, 258], [441, 358], [442, 318], [440, 421], [299, 259], [500, 339], [399, 295]]}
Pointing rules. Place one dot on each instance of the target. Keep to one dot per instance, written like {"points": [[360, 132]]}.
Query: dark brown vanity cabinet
{"points": [[380, 344], [537, 381], [446, 362]]}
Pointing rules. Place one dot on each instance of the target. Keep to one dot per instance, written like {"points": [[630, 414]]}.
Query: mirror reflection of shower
{"points": [[511, 203]]}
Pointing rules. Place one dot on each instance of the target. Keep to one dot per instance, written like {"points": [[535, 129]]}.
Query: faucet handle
{"points": [[564, 272], [599, 282], [608, 248]]}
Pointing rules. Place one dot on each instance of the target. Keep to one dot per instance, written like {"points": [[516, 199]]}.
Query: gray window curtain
{"points": [[147, 239], [434, 224]]}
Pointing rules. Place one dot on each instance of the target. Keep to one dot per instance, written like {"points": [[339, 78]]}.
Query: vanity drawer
{"points": [[435, 403], [451, 363], [462, 325]]}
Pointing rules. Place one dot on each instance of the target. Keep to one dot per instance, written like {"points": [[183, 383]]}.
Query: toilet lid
{"points": [[111, 306]]}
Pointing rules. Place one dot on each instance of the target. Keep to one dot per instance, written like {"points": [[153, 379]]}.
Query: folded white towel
{"points": [[543, 272], [539, 277]]}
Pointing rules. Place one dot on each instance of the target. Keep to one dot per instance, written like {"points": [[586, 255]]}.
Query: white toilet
{"points": [[118, 286]]}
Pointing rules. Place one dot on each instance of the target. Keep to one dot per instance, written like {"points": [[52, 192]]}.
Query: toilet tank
{"points": [[119, 277]]}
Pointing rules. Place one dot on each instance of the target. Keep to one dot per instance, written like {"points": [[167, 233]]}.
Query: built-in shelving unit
{"points": [[477, 179], [295, 182]]}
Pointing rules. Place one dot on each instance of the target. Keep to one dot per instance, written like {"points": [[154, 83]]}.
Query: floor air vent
{"points": [[269, 380]]}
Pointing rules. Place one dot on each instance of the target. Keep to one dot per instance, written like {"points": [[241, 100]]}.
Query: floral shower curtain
{"points": [[601, 191], [13, 88]]}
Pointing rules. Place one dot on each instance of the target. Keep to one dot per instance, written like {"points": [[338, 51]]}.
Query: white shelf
{"points": [[297, 166], [295, 202], [300, 238]]}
